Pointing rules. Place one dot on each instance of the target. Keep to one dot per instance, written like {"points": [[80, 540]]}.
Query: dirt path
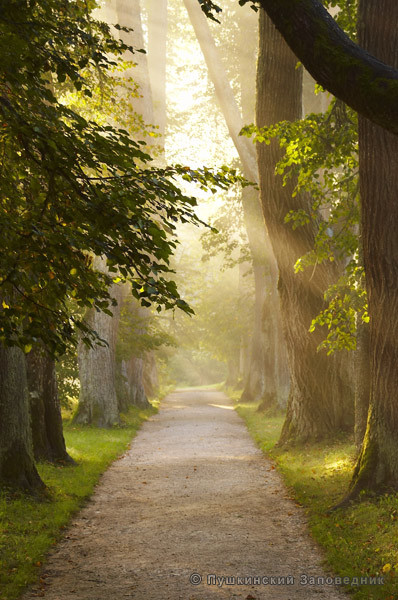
{"points": [[193, 495]]}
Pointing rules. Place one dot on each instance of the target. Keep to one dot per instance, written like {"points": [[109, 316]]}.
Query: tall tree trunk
{"points": [[129, 15], [17, 467], [157, 52], [97, 366], [45, 408], [135, 372], [316, 406], [150, 374], [377, 465], [122, 386]]}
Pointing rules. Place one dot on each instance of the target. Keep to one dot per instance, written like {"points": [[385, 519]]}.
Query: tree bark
{"points": [[97, 366], [316, 405], [45, 408], [362, 382], [377, 465], [17, 467], [122, 386], [346, 70], [137, 395]]}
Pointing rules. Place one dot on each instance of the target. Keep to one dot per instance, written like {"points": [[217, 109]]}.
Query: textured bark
{"points": [[98, 401], [137, 395], [261, 377], [97, 366], [343, 68], [122, 386], [362, 382], [316, 405], [378, 153], [17, 468], [45, 408]]}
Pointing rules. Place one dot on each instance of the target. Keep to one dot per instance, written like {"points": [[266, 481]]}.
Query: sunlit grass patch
{"points": [[360, 540], [28, 528]]}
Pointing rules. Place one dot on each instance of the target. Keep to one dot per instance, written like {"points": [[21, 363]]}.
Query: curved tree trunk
{"points": [[17, 467], [45, 408], [340, 66], [377, 465], [316, 405]]}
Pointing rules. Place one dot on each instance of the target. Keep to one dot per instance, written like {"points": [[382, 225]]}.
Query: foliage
{"points": [[223, 304], [140, 331], [72, 188], [321, 155], [28, 529], [346, 17], [229, 237], [68, 378], [359, 541], [111, 101]]}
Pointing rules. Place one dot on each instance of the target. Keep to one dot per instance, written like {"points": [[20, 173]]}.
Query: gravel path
{"points": [[192, 496]]}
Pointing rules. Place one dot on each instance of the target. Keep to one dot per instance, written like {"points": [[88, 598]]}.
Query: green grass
{"points": [[360, 540], [28, 528]]}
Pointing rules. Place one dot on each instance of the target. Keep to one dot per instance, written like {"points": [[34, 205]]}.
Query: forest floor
{"points": [[193, 499]]}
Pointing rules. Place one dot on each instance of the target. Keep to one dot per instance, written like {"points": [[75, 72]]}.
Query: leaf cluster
{"points": [[321, 155], [140, 332]]}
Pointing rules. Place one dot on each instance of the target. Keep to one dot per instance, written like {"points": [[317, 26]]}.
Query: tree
{"points": [[45, 408], [377, 465], [317, 404], [71, 188], [17, 468], [157, 52], [97, 365], [99, 400]]}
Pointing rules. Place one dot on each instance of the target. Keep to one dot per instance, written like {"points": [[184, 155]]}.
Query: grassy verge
{"points": [[359, 541], [29, 528]]}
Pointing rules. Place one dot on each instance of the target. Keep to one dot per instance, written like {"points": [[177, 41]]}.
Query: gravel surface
{"points": [[192, 498]]}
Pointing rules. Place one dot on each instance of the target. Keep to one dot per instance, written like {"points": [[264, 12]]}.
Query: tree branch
{"points": [[342, 67]]}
